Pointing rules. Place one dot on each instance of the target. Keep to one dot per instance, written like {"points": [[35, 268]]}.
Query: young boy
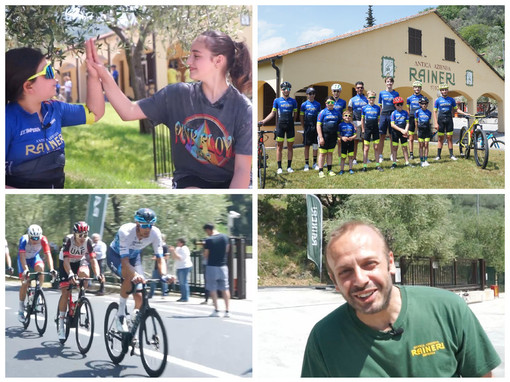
{"points": [[347, 134], [370, 129], [308, 116], [400, 130], [422, 119], [386, 98], [327, 131]]}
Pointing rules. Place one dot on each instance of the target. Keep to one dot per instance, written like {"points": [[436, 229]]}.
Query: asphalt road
{"points": [[199, 345]]}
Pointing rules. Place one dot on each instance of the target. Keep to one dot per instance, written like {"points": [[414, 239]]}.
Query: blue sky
{"points": [[283, 27]]}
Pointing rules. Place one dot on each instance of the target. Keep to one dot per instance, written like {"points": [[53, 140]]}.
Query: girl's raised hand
{"points": [[95, 67]]}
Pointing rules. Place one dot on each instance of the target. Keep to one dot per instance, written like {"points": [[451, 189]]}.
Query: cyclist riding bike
{"points": [[29, 247], [124, 258], [76, 255]]}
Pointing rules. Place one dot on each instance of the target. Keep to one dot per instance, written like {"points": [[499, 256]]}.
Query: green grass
{"points": [[108, 154], [460, 174]]}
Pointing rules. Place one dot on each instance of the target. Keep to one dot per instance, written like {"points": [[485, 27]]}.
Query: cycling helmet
{"points": [[34, 232], [286, 85], [336, 87], [146, 216], [398, 100], [443, 86], [417, 83], [310, 90], [424, 100], [80, 227]]}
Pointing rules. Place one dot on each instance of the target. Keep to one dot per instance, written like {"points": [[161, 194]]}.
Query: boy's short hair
{"points": [[389, 78], [208, 226], [371, 93]]}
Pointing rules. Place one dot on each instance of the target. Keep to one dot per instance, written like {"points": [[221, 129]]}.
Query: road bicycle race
{"points": [[80, 309]]}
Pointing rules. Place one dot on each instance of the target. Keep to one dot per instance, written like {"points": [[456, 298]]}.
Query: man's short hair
{"points": [[208, 226], [182, 240], [348, 227]]}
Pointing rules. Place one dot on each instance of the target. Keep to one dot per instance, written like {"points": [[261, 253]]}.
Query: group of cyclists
{"points": [[344, 125], [77, 256]]}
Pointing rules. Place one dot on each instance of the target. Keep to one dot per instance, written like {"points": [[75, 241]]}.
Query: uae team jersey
{"points": [[29, 143], [126, 243], [78, 253], [30, 250], [205, 136]]}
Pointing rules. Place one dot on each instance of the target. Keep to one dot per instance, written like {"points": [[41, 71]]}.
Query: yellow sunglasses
{"points": [[47, 71]]}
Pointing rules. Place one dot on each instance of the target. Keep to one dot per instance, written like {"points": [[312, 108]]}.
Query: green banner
{"points": [[96, 212], [314, 224]]}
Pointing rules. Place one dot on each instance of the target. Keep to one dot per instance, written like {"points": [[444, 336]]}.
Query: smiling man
{"points": [[386, 330]]}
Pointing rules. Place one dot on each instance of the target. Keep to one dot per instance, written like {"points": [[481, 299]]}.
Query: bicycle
{"points": [[152, 340], [79, 316], [473, 137], [262, 156], [494, 141], [35, 303]]}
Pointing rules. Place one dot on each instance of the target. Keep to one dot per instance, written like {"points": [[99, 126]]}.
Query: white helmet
{"points": [[336, 87], [34, 232]]}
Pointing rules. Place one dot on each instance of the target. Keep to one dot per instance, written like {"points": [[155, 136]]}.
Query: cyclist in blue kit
{"points": [[347, 134], [327, 131], [413, 104], [285, 108], [34, 145], [340, 105], [370, 129], [422, 119], [400, 130], [386, 103], [444, 108], [308, 116], [355, 106]]}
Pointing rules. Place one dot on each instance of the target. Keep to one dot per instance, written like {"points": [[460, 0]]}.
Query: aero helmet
{"points": [[310, 90], [424, 100], [34, 232], [336, 87], [417, 83], [80, 227], [146, 216], [286, 85], [398, 100]]}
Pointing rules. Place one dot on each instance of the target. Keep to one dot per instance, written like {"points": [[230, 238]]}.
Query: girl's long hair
{"points": [[20, 64], [237, 55]]}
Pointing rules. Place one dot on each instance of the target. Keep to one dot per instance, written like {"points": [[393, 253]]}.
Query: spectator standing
{"points": [[182, 256], [100, 250]]}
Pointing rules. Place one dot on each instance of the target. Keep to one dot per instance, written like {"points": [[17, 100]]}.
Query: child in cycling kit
{"points": [[34, 146], [400, 131]]}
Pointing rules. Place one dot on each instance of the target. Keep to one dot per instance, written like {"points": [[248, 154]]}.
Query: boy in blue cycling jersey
{"points": [[422, 119], [387, 107], [308, 116], [413, 105], [327, 131], [400, 132], [370, 129], [347, 134]]}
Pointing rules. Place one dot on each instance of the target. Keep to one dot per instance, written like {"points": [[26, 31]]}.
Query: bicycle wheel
{"points": [[28, 310], [463, 141], [112, 337], [40, 312], [153, 343], [481, 148], [497, 144], [262, 166], [84, 318]]}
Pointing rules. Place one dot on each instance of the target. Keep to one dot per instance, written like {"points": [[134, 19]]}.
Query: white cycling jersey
{"points": [[127, 244]]}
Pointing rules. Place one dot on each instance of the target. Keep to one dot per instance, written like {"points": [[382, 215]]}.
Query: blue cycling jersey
{"points": [[26, 138], [356, 103], [400, 118], [386, 101], [310, 110], [371, 112], [444, 106], [329, 120], [423, 117], [346, 129], [285, 107], [340, 106], [413, 103]]}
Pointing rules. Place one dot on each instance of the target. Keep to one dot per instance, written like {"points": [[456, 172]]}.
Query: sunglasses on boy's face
{"points": [[47, 72], [399, 104], [330, 102]]}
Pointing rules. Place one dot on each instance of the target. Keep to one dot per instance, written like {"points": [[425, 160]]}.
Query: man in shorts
{"points": [[339, 107], [444, 109], [216, 248], [386, 103], [370, 115], [308, 116], [29, 247], [285, 108], [327, 131], [124, 258], [355, 106]]}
